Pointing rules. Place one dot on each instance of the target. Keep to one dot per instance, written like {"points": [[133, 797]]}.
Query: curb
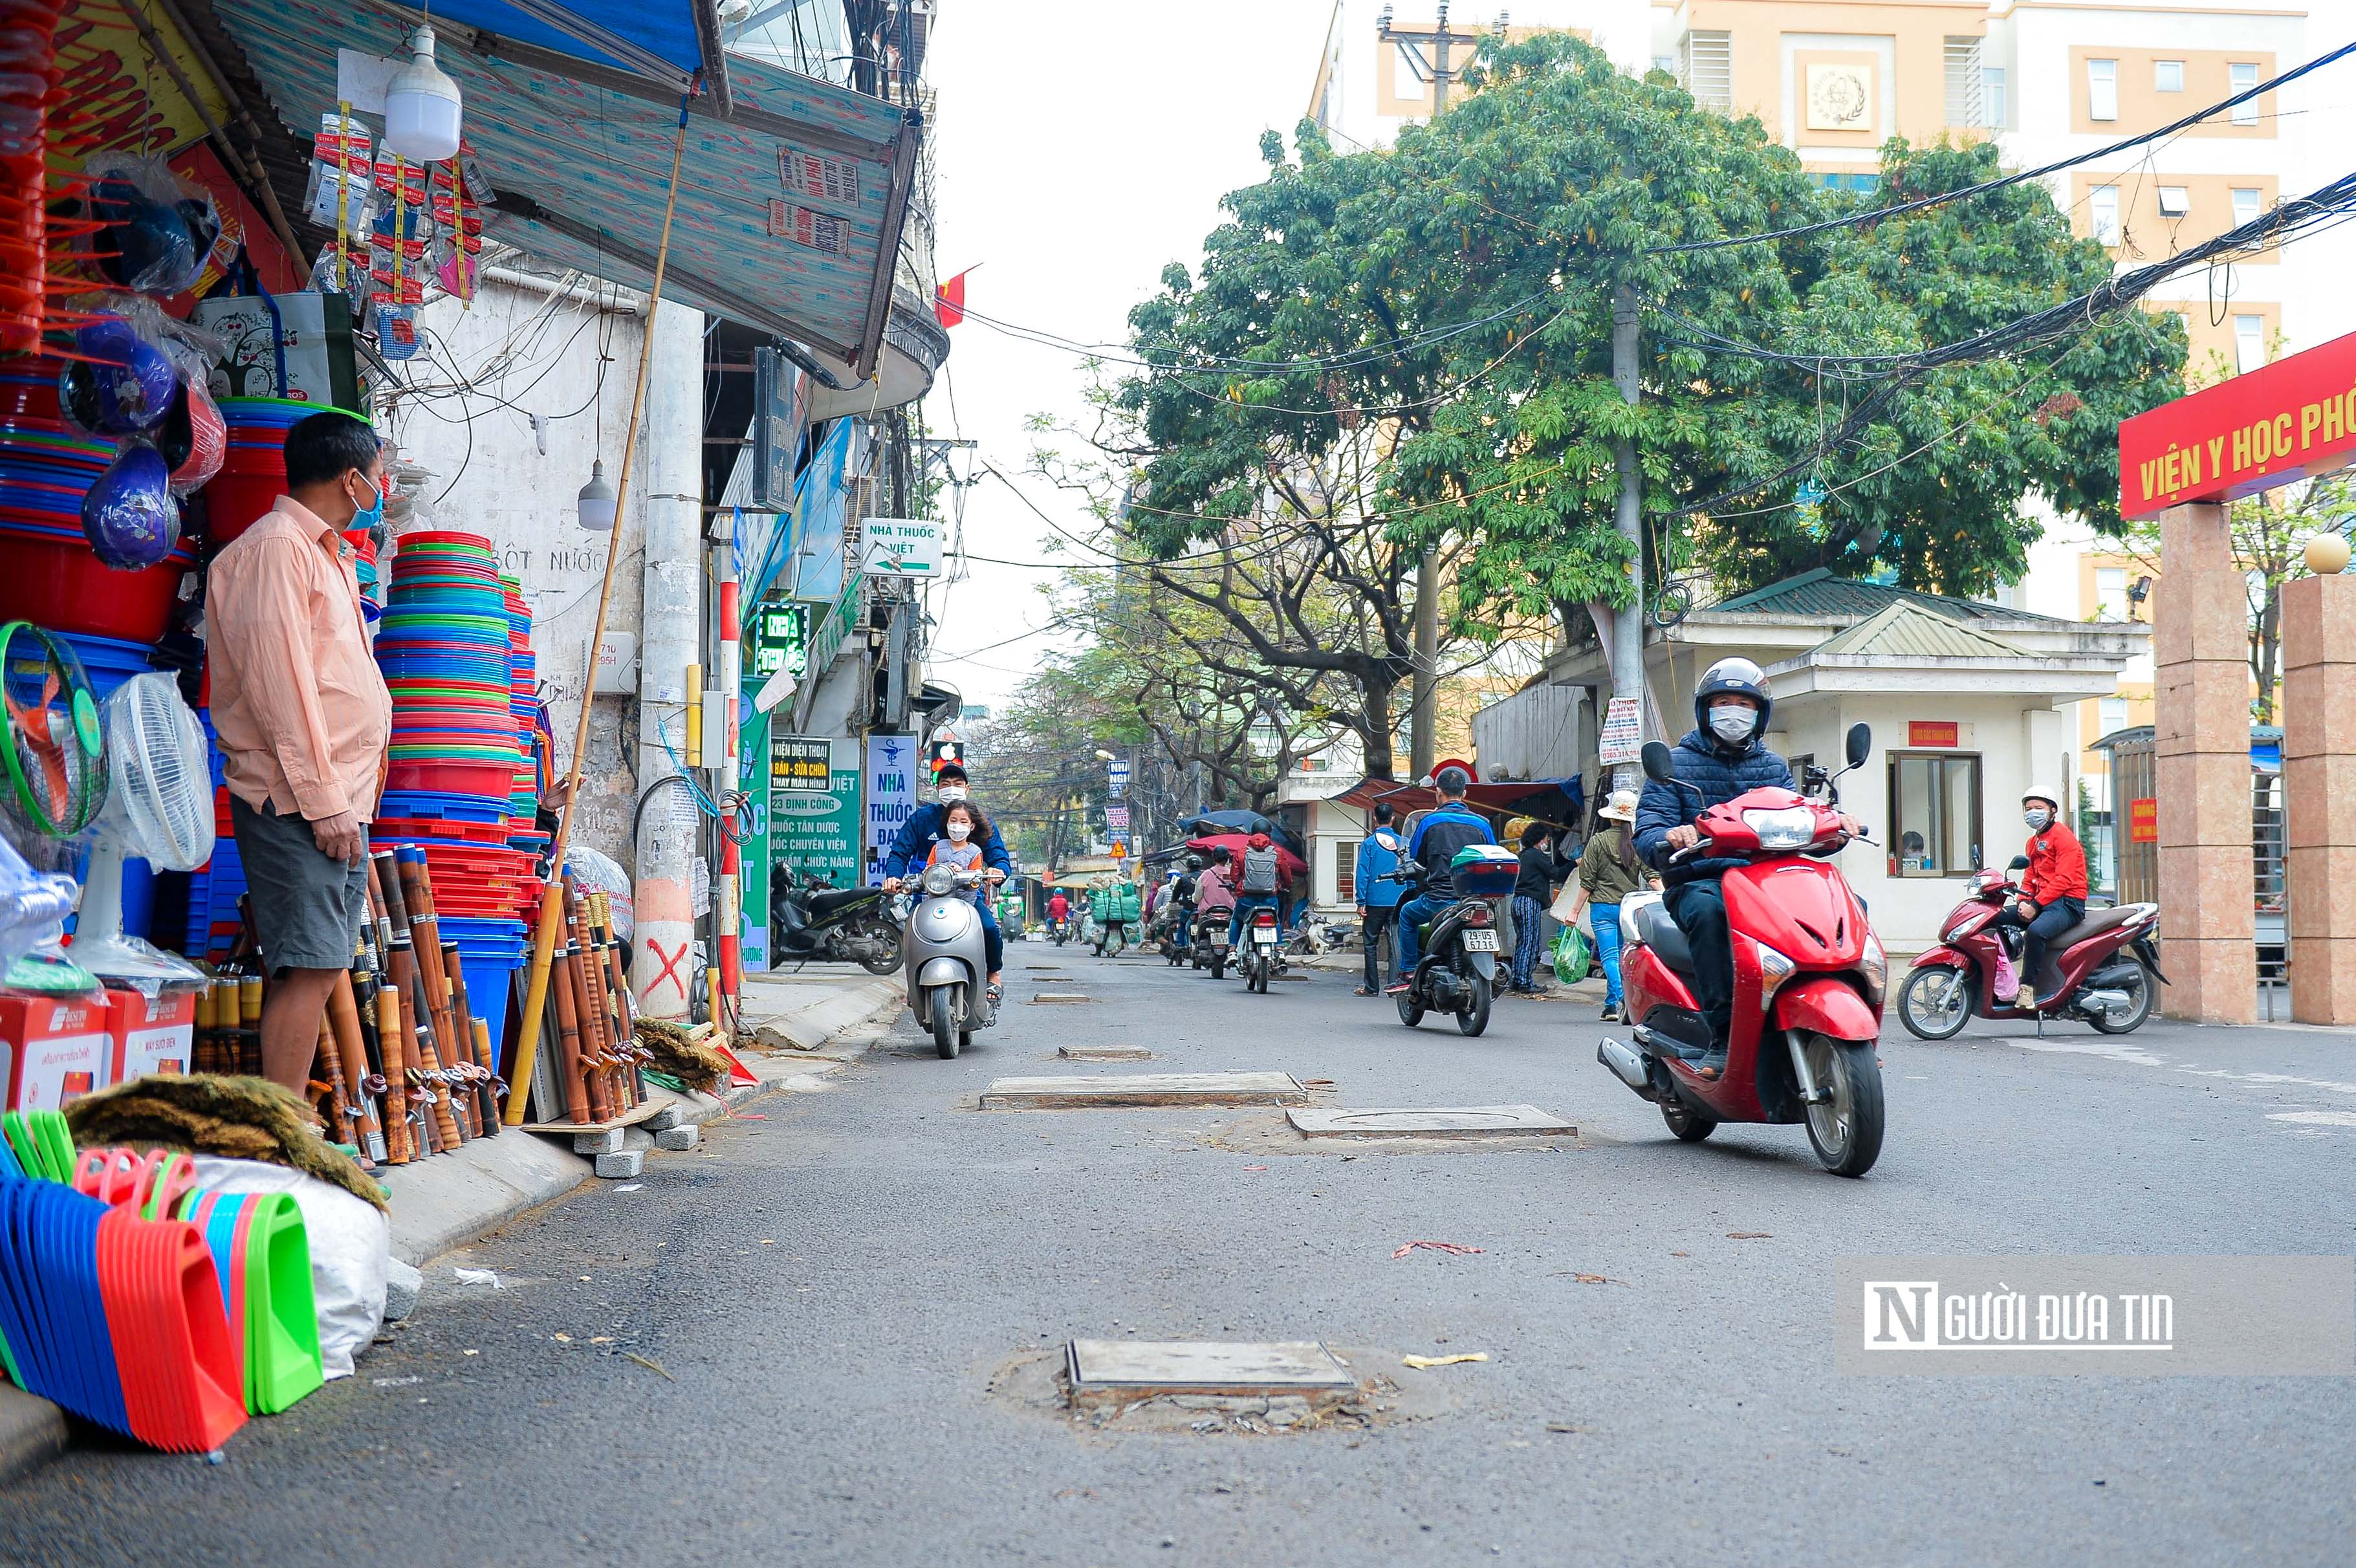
{"points": [[32, 1432]]}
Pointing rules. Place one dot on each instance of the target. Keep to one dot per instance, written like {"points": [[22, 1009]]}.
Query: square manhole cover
{"points": [[1105, 1053], [1144, 1089], [1060, 996], [1439, 1122], [1110, 1371]]}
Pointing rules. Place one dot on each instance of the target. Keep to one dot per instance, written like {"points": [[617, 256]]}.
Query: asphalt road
{"points": [[781, 1347]]}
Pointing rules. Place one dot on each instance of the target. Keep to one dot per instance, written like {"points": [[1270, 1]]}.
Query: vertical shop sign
{"points": [[891, 795]]}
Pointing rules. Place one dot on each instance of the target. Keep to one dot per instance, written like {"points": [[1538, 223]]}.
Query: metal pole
{"points": [[552, 903], [1421, 718], [1628, 626]]}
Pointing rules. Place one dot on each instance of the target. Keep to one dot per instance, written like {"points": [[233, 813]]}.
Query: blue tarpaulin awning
{"points": [[663, 40], [791, 196]]}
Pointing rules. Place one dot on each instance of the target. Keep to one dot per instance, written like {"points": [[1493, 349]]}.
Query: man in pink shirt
{"points": [[304, 718]]}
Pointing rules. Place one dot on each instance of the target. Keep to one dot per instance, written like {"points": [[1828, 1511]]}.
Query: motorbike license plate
{"points": [[1479, 942], [1265, 937]]}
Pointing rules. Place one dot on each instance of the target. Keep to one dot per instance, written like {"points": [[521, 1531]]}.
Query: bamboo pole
{"points": [[551, 900]]}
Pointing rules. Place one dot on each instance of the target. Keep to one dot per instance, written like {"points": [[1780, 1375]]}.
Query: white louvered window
{"points": [[2101, 89], [1993, 97], [1709, 69], [2102, 210], [2243, 79], [1966, 95], [2249, 343]]}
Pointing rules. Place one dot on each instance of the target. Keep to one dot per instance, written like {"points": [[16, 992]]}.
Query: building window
{"points": [[2113, 716], [1859, 185], [2101, 89], [1967, 104], [2175, 201], [2249, 343], [2110, 592], [1345, 872], [2167, 76], [2246, 206], [2103, 208], [1992, 98], [2245, 77], [1934, 827], [1709, 69]]}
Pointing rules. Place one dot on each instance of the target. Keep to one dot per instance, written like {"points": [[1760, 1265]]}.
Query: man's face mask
{"points": [[960, 831], [2037, 818], [951, 793], [374, 513], [1732, 723]]}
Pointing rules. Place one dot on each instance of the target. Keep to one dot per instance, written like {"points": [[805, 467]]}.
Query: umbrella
{"points": [[1234, 843], [1241, 821]]}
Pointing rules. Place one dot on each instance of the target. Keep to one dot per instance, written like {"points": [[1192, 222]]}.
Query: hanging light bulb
{"points": [[597, 502], [421, 107]]}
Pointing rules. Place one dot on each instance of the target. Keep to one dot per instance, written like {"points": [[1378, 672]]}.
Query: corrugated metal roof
{"points": [[1908, 630], [1819, 592]]}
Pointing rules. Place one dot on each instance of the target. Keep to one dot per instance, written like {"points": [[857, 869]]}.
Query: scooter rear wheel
{"points": [[943, 1021], [1474, 1015], [2123, 1023], [1846, 1131], [1943, 1019]]}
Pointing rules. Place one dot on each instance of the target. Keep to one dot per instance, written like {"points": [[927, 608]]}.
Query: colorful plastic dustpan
{"points": [[20, 1143], [74, 1270], [9, 1168], [282, 1354], [15, 1322], [56, 1143]]}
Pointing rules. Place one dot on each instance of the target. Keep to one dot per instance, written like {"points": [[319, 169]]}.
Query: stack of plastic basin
{"points": [[214, 886], [490, 953], [445, 646], [48, 573], [364, 568], [523, 704], [254, 472]]}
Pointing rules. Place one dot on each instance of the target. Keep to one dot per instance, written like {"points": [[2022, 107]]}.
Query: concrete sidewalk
{"points": [[804, 1026]]}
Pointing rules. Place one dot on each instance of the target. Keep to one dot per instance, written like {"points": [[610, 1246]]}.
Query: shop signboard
{"points": [[815, 831], [2286, 421], [780, 640], [900, 547], [890, 789], [1927, 732], [2142, 821]]}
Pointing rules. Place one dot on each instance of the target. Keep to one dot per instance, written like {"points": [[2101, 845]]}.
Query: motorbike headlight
{"points": [[1875, 966], [940, 880], [1785, 828], [1773, 967]]}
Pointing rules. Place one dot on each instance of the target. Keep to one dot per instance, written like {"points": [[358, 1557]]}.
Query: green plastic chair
{"points": [[281, 1319]]}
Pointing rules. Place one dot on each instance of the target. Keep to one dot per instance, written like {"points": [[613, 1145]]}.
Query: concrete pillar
{"points": [[2318, 709], [670, 636], [2207, 866]]}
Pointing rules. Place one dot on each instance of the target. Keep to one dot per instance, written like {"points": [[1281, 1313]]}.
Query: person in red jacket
{"points": [[2053, 890]]}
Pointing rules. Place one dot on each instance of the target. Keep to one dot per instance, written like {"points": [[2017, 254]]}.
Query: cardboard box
{"points": [[53, 1050], [150, 1037]]}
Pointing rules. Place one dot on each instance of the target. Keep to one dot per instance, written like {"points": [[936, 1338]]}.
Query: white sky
{"points": [[1083, 147]]}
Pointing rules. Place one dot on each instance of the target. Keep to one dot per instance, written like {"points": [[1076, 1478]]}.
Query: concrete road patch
{"points": [[1105, 1053], [1445, 1122], [1110, 1372], [1065, 997], [1144, 1089]]}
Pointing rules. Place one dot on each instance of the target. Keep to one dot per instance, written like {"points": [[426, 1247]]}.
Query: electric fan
{"points": [[159, 809], [51, 743]]}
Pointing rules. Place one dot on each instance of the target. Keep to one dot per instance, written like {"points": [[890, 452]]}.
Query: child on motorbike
{"points": [[966, 831]]}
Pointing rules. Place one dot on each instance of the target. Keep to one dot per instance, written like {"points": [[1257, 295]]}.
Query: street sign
{"points": [[800, 762], [1115, 816], [1624, 732], [900, 547], [780, 640]]}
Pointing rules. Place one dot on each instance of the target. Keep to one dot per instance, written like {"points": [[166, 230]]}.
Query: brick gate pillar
{"points": [[2207, 865], [2318, 709]]}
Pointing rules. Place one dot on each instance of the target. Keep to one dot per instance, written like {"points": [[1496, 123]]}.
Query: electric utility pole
{"points": [[1439, 68], [1422, 718], [1628, 626]]}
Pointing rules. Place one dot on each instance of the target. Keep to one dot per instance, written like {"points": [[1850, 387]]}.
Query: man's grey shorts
{"points": [[307, 908]]}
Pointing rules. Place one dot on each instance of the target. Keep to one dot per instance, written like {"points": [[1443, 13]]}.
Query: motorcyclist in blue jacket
{"points": [[1724, 756], [1433, 846]]}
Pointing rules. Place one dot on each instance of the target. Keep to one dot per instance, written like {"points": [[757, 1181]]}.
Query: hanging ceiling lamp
{"points": [[597, 502], [421, 107]]}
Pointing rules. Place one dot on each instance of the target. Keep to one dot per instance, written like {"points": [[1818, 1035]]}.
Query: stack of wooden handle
{"points": [[600, 1065]]}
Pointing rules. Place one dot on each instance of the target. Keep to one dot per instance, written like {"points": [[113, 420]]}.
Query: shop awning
{"points": [[791, 196], [666, 42]]}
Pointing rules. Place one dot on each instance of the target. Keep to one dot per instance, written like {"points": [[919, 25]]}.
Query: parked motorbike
{"points": [[949, 967], [2103, 967], [813, 919], [1263, 954], [1457, 970], [1210, 948], [1809, 979]]}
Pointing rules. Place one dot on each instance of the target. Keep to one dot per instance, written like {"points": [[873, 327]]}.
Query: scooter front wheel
{"points": [[941, 1005], [1935, 1002], [1844, 1130]]}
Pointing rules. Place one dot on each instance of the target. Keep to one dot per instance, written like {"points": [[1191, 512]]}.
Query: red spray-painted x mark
{"points": [[669, 967]]}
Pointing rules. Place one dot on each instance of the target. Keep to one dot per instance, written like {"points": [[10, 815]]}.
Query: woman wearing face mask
{"points": [[2053, 890], [964, 833]]}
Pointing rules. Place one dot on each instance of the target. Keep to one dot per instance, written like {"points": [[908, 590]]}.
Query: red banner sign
{"points": [[2142, 821], [2293, 418], [1923, 733]]}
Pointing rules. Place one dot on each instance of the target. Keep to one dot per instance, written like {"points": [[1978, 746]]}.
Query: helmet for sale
{"points": [[1739, 675], [2052, 797]]}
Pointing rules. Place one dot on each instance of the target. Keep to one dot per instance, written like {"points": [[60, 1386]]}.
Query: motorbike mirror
{"points": [[1657, 766], [1860, 744], [2019, 863]]}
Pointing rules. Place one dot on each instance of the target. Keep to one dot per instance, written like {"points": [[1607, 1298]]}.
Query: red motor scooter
{"points": [[2102, 968], [1808, 980]]}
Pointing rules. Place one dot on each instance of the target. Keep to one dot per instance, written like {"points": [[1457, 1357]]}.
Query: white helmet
{"points": [[2052, 797]]}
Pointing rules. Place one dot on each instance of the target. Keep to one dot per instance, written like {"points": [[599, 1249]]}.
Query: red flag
{"points": [[948, 301]]}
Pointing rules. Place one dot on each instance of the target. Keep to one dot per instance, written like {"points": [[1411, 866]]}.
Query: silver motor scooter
{"points": [[948, 962]]}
